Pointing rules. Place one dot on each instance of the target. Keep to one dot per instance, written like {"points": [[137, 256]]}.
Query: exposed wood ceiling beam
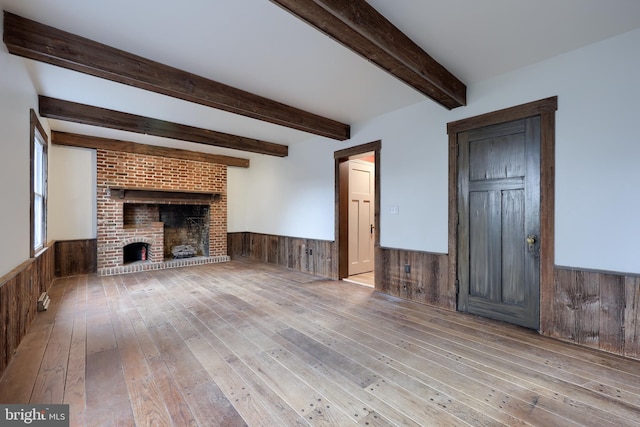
{"points": [[359, 27], [86, 141], [43, 43], [86, 114]]}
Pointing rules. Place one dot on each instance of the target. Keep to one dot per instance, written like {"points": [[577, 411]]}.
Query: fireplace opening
{"points": [[186, 230], [135, 252]]}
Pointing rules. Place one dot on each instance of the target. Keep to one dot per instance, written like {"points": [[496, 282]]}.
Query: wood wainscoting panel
{"points": [[426, 282], [75, 257], [238, 244], [576, 310], [597, 309], [612, 313], [632, 317], [306, 255], [19, 292]]}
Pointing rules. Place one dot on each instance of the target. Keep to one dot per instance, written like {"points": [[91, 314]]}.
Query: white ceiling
{"points": [[256, 46]]}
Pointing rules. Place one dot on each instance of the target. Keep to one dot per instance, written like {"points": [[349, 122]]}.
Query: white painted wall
{"points": [[291, 196], [17, 96], [597, 163], [236, 202], [597, 157], [72, 193], [597, 148]]}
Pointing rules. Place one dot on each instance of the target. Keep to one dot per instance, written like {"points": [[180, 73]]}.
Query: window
{"points": [[39, 145]]}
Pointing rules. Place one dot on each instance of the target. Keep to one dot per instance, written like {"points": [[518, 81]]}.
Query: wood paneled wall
{"points": [[427, 281], [597, 309], [75, 257], [19, 292], [306, 255]]}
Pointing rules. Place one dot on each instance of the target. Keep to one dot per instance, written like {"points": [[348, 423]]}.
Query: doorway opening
{"points": [[358, 212]]}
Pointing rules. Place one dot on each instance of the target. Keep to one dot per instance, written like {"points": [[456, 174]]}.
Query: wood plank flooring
{"points": [[246, 343], [366, 279]]}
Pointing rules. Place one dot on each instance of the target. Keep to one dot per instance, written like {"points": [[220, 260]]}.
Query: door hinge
{"points": [[457, 286]]}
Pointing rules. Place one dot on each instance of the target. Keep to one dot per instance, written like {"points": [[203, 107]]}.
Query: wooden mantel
{"points": [[152, 195]]}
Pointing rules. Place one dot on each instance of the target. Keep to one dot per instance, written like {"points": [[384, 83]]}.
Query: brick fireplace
{"points": [[149, 204]]}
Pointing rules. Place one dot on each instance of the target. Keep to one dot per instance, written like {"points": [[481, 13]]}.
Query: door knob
{"points": [[531, 244]]}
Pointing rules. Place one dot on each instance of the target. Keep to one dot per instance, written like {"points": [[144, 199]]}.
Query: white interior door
{"points": [[361, 216]]}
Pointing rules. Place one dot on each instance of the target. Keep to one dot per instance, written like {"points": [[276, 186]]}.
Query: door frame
{"points": [[545, 108], [342, 204]]}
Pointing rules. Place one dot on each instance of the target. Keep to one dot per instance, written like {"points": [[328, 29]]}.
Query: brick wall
{"points": [[136, 214], [116, 169]]}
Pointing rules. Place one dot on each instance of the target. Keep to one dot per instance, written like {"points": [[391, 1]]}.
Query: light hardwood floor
{"points": [[245, 343], [366, 279]]}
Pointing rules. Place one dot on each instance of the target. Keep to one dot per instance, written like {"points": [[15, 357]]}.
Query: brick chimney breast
{"points": [[140, 171]]}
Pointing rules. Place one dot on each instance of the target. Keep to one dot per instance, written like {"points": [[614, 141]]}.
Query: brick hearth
{"points": [[128, 170]]}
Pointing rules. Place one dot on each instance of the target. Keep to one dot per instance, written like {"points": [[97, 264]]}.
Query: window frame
{"points": [[37, 135]]}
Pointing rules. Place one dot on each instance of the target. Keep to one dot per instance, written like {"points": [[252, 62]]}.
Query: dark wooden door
{"points": [[499, 222]]}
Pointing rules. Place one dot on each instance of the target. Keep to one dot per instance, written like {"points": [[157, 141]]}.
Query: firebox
{"points": [[185, 225], [135, 252]]}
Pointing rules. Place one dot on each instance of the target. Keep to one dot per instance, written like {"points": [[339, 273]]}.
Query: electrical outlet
{"points": [[310, 251], [407, 268]]}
